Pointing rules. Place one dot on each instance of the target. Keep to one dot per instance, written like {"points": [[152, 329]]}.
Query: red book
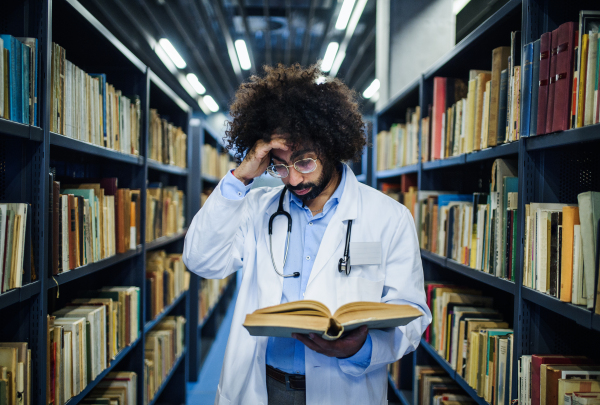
{"points": [[536, 363], [110, 185], [439, 108], [545, 45], [565, 57], [72, 229], [552, 81]]}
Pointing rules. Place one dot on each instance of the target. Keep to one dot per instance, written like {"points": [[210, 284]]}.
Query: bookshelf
{"points": [[552, 168], [28, 152]]}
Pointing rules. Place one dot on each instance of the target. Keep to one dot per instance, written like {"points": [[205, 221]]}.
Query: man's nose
{"points": [[295, 177]]}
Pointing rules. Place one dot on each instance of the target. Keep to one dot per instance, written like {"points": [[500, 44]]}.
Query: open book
{"points": [[308, 316]]}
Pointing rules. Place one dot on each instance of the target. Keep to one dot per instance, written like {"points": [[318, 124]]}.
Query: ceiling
{"points": [[275, 31]]}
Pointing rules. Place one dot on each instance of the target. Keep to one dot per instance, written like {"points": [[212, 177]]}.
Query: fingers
{"points": [[308, 342]]}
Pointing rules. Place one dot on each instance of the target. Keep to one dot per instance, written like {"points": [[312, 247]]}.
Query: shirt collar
{"points": [[333, 200]]}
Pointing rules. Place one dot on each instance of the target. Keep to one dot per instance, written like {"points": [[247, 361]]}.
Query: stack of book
{"points": [[399, 146], [167, 143], [433, 386], [119, 387], [563, 81], [557, 379], [484, 112], [85, 335], [405, 192], [478, 230], [13, 241], [19, 79], [210, 293], [165, 343], [560, 249], [92, 221], [468, 333], [15, 373], [166, 279], [165, 211], [85, 107], [216, 164]]}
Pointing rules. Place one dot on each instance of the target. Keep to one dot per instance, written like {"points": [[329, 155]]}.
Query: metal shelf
{"points": [[486, 278], [165, 240], [494, 152], [95, 150], [452, 161], [398, 171], [168, 377], [579, 314], [92, 384], [20, 294], [400, 96], [596, 322], [564, 138], [404, 396], [83, 271], [19, 130], [171, 169], [452, 373], [151, 324]]}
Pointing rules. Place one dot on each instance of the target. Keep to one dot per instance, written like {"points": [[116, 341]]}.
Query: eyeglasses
{"points": [[303, 166]]}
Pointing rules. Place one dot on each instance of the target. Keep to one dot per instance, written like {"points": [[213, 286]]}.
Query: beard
{"points": [[318, 187]]}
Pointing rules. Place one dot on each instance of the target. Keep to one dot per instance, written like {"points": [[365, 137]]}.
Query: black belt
{"points": [[295, 382]]}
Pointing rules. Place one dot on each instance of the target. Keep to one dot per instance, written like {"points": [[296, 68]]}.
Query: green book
{"points": [[510, 185]]}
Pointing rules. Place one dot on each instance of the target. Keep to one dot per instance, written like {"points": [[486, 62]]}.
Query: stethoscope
{"points": [[344, 263]]}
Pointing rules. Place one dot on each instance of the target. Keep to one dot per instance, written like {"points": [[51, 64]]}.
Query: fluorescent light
{"points": [[344, 15], [337, 62], [242, 53], [211, 103], [329, 56], [195, 122], [193, 80], [172, 52], [372, 89], [459, 5], [203, 106], [165, 59]]}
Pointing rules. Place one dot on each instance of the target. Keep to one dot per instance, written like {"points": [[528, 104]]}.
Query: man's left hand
{"points": [[341, 348]]}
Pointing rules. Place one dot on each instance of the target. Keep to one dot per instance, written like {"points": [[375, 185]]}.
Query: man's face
{"points": [[305, 186]]}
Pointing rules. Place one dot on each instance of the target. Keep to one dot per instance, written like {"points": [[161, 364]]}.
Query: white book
{"points": [[20, 210], [78, 352], [3, 219], [578, 290], [68, 367], [589, 213], [591, 78]]}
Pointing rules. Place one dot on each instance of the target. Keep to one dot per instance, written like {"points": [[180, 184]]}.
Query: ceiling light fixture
{"points": [[344, 15], [193, 80], [211, 103], [329, 56], [372, 89], [175, 57], [354, 19], [242, 53]]}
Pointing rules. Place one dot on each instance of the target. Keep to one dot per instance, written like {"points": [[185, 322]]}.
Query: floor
{"points": [[204, 391]]}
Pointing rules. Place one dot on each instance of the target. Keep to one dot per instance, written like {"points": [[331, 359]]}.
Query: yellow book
{"points": [[582, 80], [308, 316], [470, 116], [473, 359]]}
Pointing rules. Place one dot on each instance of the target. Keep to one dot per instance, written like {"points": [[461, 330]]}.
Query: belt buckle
{"points": [[287, 383]]}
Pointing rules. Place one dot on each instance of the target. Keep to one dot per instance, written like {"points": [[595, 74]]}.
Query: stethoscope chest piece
{"points": [[344, 263]]}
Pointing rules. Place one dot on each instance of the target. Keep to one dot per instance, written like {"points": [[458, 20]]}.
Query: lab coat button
{"points": [[307, 257]]}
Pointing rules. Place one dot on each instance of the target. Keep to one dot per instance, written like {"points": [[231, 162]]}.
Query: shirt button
{"points": [[310, 223], [240, 194], [307, 257]]}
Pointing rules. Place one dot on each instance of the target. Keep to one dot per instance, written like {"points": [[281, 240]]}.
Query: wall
{"points": [[421, 31]]}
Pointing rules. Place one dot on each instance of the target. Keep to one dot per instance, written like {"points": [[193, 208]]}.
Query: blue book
{"points": [[502, 107], [535, 88], [102, 78], [526, 88], [32, 43], [25, 89], [19, 78], [445, 199], [9, 43]]}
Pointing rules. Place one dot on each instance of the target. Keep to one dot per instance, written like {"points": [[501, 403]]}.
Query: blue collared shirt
{"points": [[287, 354]]}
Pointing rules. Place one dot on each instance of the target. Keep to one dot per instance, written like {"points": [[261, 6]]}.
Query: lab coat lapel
{"points": [[336, 230]]}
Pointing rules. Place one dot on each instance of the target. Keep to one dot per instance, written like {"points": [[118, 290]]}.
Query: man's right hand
{"points": [[258, 159]]}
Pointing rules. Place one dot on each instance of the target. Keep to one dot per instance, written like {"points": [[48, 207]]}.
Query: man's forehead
{"points": [[296, 152]]}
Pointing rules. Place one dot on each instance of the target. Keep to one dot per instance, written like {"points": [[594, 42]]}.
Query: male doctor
{"points": [[300, 129]]}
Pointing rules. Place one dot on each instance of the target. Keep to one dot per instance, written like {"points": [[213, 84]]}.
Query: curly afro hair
{"points": [[288, 100]]}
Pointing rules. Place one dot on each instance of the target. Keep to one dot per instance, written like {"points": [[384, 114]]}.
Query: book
{"points": [[535, 87], [550, 374], [536, 363], [589, 214], [577, 385], [565, 58], [499, 63], [570, 218], [552, 81], [528, 87], [544, 82], [502, 107], [309, 316]]}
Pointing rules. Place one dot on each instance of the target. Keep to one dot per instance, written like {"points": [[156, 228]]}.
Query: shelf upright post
{"points": [[424, 113], [194, 189], [372, 168]]}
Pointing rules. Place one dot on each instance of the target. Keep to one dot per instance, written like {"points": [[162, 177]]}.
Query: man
{"points": [[300, 130]]}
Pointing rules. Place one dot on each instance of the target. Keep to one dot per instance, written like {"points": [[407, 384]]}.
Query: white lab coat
{"points": [[227, 235]]}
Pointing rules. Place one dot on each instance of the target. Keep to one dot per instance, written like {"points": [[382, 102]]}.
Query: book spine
{"points": [[545, 48], [527, 89], [502, 107], [552, 81]]}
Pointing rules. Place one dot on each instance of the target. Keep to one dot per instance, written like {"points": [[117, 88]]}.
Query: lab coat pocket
{"points": [[364, 285]]}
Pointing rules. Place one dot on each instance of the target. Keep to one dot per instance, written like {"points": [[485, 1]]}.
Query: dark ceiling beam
{"points": [[193, 48], [131, 17], [359, 54], [268, 56], [361, 81], [227, 35], [307, 36], [247, 36], [330, 31], [291, 31], [198, 22]]}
